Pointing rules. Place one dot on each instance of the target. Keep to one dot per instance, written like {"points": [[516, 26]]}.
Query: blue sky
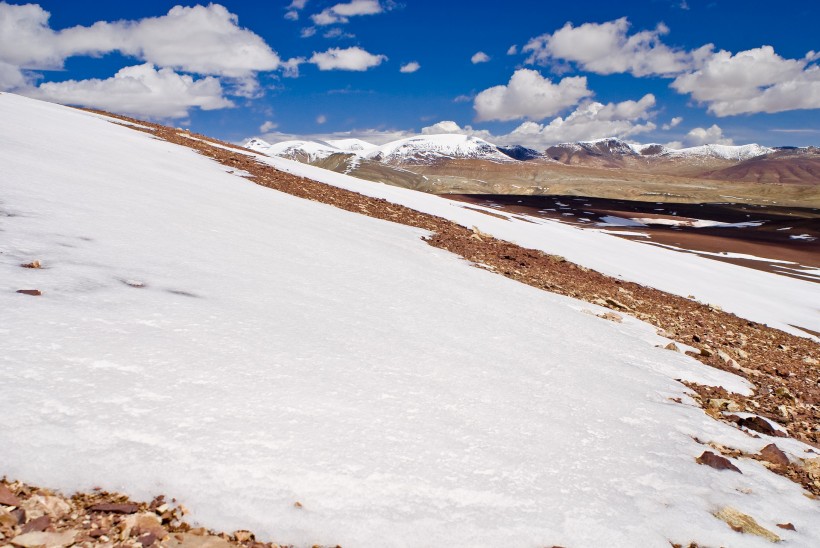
{"points": [[639, 70]]}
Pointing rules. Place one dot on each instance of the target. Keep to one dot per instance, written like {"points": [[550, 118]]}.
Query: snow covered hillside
{"points": [[241, 349], [753, 294]]}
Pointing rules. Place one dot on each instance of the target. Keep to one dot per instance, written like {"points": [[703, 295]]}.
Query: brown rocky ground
{"points": [[31, 517], [784, 368]]}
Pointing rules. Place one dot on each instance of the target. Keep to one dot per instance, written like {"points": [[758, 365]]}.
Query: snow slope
{"points": [[726, 152], [756, 295], [241, 349], [424, 148]]}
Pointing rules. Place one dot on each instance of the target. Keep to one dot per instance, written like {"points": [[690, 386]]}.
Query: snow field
{"points": [[281, 350]]}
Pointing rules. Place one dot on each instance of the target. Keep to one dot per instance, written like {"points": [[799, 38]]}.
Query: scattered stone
{"points": [[37, 524], [706, 352], [742, 354], [45, 540], [717, 462], [811, 361], [46, 505], [144, 522], [297, 504], [724, 357], [611, 316], [7, 498], [761, 425], [115, 508], [772, 453], [7, 519], [673, 347], [723, 404], [147, 539], [32, 264], [188, 540], [617, 304], [743, 523], [243, 536], [33, 292], [787, 526]]}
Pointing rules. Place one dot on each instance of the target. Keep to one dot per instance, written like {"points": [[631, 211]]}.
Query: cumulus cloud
{"points": [[479, 57], [591, 120], [607, 48], [672, 123], [755, 80], [339, 13], [353, 58], [448, 126], [11, 77], [412, 66], [198, 39], [529, 95], [294, 8], [704, 136], [268, 126], [140, 90]]}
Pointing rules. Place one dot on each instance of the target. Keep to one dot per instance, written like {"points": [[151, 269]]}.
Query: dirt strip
{"points": [[784, 368], [31, 517]]}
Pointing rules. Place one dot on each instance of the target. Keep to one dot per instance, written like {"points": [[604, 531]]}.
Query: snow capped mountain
{"points": [[351, 145], [308, 151], [430, 148], [726, 152]]}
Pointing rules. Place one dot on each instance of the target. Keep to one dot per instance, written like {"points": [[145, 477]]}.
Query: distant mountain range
{"points": [[452, 163]]}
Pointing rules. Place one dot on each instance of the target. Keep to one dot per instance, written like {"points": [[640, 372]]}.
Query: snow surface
{"points": [[313, 150], [727, 152], [282, 350], [351, 145], [759, 296], [428, 147]]}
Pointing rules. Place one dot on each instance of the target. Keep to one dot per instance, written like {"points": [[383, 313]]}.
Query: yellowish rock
{"points": [[45, 540], [744, 523], [187, 540]]}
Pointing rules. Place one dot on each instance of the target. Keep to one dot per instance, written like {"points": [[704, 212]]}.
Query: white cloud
{"points": [[704, 136], [371, 135], [755, 80], [676, 145], [294, 8], [529, 95], [412, 66], [307, 32], [339, 13], [512, 50], [672, 123], [139, 90], [11, 77], [337, 33], [606, 48], [592, 120], [353, 58], [321, 119], [448, 126], [198, 39], [479, 57], [290, 68], [268, 126]]}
